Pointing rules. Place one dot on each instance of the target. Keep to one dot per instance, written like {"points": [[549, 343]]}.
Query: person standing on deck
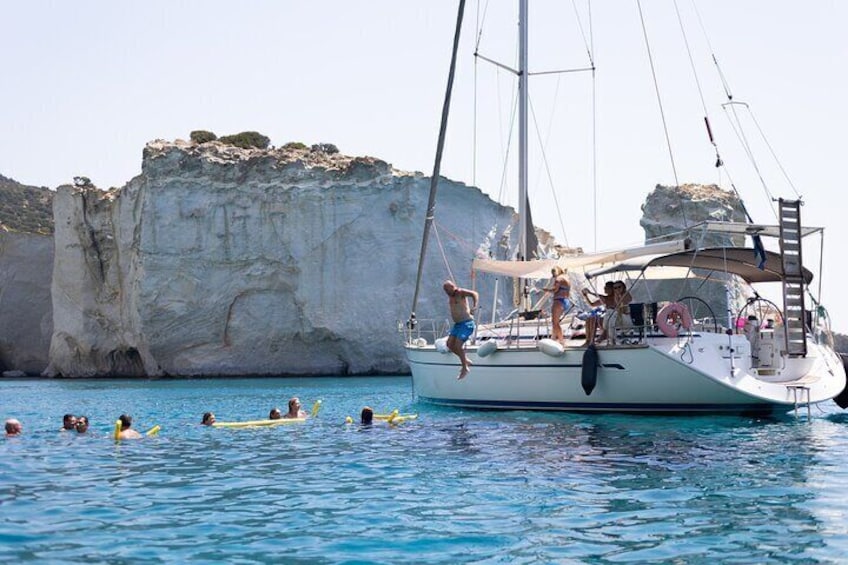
{"points": [[561, 303], [463, 321]]}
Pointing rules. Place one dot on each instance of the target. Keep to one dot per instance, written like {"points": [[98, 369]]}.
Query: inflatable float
{"points": [[394, 417], [266, 423], [116, 434]]}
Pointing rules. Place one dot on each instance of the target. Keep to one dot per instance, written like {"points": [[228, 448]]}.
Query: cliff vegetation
{"points": [[27, 209]]}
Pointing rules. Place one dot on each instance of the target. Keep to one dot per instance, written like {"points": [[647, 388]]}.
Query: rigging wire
{"points": [[548, 170], [743, 141], [718, 161], [479, 39], [721, 77], [434, 180], [442, 251], [662, 111], [773, 154], [594, 131], [477, 33], [590, 52], [738, 128], [509, 137], [582, 33]]}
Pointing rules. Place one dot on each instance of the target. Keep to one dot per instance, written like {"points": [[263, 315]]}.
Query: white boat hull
{"points": [[668, 375]]}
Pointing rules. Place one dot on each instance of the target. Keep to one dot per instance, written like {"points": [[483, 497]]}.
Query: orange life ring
{"points": [[672, 317]]}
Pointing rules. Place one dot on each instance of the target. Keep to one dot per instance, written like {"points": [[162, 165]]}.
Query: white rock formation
{"points": [[26, 317], [223, 261], [672, 209]]}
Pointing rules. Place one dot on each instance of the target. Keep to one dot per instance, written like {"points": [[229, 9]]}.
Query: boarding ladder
{"points": [[794, 314]]}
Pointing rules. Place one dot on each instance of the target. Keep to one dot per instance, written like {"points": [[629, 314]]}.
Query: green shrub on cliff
{"points": [[25, 208], [202, 136], [291, 145], [247, 140]]}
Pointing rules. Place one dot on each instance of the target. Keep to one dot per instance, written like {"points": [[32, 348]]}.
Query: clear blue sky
{"points": [[86, 84]]}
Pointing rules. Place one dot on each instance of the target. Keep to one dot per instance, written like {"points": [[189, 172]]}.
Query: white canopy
{"points": [[540, 269], [739, 261]]}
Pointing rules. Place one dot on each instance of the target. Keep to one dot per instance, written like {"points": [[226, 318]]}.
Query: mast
{"points": [[522, 285], [522, 130]]}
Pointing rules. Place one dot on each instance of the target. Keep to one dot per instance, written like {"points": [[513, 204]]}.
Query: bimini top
{"points": [[739, 261]]}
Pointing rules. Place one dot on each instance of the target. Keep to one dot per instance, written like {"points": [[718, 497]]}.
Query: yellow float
{"points": [[393, 417], [268, 423]]}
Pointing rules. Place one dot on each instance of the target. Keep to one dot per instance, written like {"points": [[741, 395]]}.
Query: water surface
{"points": [[452, 486]]}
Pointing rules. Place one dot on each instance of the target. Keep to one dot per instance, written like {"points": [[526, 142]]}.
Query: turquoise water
{"points": [[452, 486]]}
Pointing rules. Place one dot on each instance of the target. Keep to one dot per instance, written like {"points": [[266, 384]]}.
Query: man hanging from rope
{"points": [[463, 322]]}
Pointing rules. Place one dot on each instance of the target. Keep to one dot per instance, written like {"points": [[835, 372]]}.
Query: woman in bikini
{"points": [[561, 289]]}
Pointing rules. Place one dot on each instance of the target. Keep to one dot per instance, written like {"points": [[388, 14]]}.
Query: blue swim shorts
{"points": [[463, 330], [593, 313]]}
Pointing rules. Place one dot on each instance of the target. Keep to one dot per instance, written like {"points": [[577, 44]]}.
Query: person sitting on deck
{"points": [[606, 300], [619, 315]]}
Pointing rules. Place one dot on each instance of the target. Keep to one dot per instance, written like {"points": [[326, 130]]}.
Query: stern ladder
{"points": [[794, 313]]}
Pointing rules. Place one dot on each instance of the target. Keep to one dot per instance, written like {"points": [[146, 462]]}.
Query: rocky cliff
{"points": [[26, 315], [26, 267], [25, 209], [225, 261], [674, 209]]}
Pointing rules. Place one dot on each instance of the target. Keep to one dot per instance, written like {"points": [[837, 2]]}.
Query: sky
{"points": [[87, 84]]}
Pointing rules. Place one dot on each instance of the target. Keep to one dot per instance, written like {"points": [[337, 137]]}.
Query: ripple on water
{"points": [[452, 486]]}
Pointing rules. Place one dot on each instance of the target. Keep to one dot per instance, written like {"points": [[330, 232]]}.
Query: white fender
{"points": [[442, 345], [551, 347], [419, 342], [487, 348]]}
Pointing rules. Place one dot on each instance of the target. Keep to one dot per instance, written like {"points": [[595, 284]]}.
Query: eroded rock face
{"points": [[671, 209], [26, 316], [225, 261]]}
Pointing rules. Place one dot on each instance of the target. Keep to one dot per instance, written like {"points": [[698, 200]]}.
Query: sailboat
{"points": [[673, 354]]}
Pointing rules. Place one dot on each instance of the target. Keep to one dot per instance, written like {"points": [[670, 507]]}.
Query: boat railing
{"points": [[515, 331], [428, 330]]}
